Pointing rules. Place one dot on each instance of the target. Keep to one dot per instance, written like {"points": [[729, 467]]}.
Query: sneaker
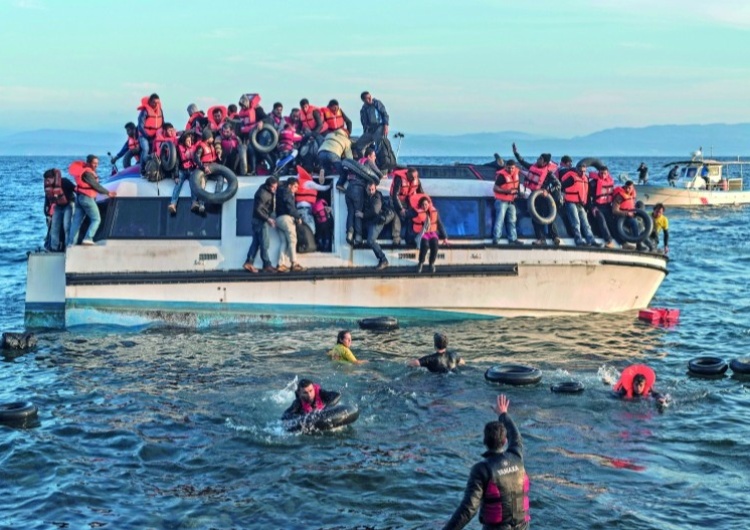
{"points": [[202, 209], [194, 207], [628, 246], [581, 243], [397, 241], [282, 268], [342, 189], [358, 240], [540, 243], [594, 244], [495, 242], [296, 267], [557, 241], [269, 268], [516, 243], [419, 269], [249, 268], [172, 209], [610, 244], [433, 269], [350, 238], [382, 264], [88, 242]]}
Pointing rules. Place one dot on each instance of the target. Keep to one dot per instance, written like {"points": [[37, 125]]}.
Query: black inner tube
{"points": [[568, 387], [708, 366], [265, 139], [329, 418], [361, 171], [513, 374], [168, 156], [378, 323], [740, 366], [535, 212], [648, 225], [217, 170]]}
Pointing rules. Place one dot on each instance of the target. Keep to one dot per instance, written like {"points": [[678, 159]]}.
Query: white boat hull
{"points": [[674, 196]]}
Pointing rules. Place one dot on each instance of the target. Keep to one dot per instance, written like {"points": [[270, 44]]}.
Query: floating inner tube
{"points": [[647, 225], [217, 170], [379, 323], [568, 387], [17, 341], [535, 213], [364, 172], [168, 156], [265, 139], [590, 161], [326, 419], [513, 374], [740, 366], [17, 414], [707, 366]]}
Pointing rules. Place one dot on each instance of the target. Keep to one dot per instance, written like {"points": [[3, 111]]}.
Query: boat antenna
{"points": [[400, 137]]}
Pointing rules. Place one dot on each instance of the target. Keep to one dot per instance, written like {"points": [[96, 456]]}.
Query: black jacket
{"points": [[373, 115], [506, 469], [285, 203], [264, 204], [329, 397], [375, 210]]}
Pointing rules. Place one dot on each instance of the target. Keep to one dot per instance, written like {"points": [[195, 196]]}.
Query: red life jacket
{"points": [[319, 211], [317, 404], [154, 117], [305, 194], [603, 187], [287, 139], [579, 191], [307, 119], [628, 374], [408, 188], [510, 186], [186, 155], [334, 121], [161, 138], [248, 118], [209, 152], [77, 169], [535, 176], [215, 126], [133, 145], [229, 143], [628, 201], [192, 122], [53, 188], [422, 215]]}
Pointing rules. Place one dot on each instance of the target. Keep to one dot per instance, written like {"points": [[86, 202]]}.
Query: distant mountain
{"points": [[656, 140]]}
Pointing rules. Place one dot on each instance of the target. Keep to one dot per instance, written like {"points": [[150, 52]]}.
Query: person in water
{"points": [[442, 361], [498, 485], [661, 224], [342, 352], [310, 397], [637, 381]]}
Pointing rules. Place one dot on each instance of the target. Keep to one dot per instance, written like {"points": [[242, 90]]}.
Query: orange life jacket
{"points": [[308, 120], [53, 188], [408, 188], [305, 194], [161, 138], [77, 169], [628, 374], [579, 191], [154, 117], [209, 152], [191, 123], [628, 201], [210, 115], [422, 215], [509, 189], [186, 155], [133, 144], [535, 176], [603, 187], [334, 121]]}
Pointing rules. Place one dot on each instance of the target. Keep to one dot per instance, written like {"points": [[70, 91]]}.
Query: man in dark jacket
{"points": [[498, 483], [550, 185], [376, 214], [264, 212], [310, 397], [442, 361], [374, 120], [287, 219]]}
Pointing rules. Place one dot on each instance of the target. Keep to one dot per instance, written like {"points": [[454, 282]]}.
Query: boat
{"points": [[701, 182], [148, 267]]}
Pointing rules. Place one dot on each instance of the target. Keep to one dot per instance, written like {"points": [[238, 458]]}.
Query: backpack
{"points": [[53, 190], [386, 159]]}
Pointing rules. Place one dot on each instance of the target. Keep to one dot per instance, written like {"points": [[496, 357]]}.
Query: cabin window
{"points": [[148, 218], [245, 217], [464, 218]]}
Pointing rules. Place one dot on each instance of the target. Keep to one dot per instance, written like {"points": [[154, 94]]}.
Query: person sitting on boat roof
{"points": [[205, 154], [186, 164], [442, 361], [309, 398], [335, 147], [87, 188], [288, 140], [404, 184], [623, 205], [672, 176], [287, 219], [294, 119], [311, 121], [150, 120], [376, 214], [251, 116], [637, 381], [575, 186], [130, 149], [197, 121], [540, 175], [427, 228], [506, 191], [335, 118], [342, 352], [230, 147], [374, 120], [601, 187], [232, 111], [355, 198], [643, 174], [216, 117], [661, 224], [264, 213]]}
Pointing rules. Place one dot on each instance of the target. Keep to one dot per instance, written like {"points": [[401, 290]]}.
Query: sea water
{"points": [[179, 429]]}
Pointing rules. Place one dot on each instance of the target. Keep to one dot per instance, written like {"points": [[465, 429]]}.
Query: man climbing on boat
{"points": [[661, 224], [376, 214]]}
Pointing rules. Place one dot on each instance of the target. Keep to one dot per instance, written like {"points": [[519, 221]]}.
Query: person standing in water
{"points": [[442, 361], [342, 352]]}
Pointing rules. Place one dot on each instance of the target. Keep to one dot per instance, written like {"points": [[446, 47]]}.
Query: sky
{"points": [[544, 67]]}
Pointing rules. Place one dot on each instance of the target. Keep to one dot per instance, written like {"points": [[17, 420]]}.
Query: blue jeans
{"points": [[355, 202], [331, 164], [85, 206], [373, 231], [145, 149], [261, 240], [60, 220], [505, 213], [579, 221], [184, 176]]}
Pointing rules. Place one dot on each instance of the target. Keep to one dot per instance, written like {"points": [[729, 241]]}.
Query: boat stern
{"points": [[45, 290]]}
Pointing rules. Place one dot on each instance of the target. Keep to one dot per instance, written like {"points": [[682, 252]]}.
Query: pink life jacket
{"points": [[319, 211], [318, 404]]}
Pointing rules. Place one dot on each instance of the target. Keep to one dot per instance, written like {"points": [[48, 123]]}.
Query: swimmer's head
{"points": [[494, 435]]}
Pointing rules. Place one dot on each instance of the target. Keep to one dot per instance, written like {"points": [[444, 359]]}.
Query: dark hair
{"points": [[91, 158], [153, 97], [494, 435], [603, 168], [341, 335], [303, 102], [658, 206], [638, 379], [130, 125], [628, 183], [411, 171], [369, 151], [292, 181], [232, 108], [363, 95], [184, 136], [303, 383], [166, 126], [333, 102], [440, 340], [270, 181], [566, 159], [207, 134], [278, 105], [510, 162]]}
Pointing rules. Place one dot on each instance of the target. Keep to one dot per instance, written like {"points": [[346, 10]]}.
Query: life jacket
{"points": [[317, 404], [210, 115], [628, 201], [192, 124], [319, 211], [422, 215], [77, 169], [603, 187], [287, 139], [209, 152], [154, 117], [307, 119], [334, 121], [53, 189], [628, 374], [247, 115], [535, 176], [186, 155], [510, 186], [492, 513], [579, 191], [161, 138], [305, 194], [133, 144], [408, 188], [229, 143]]}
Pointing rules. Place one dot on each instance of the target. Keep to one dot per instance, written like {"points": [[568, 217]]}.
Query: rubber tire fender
{"points": [[329, 418], [740, 366], [707, 366], [378, 323], [513, 374], [568, 387], [535, 213], [17, 341], [18, 412], [364, 172], [265, 148], [648, 226], [590, 161], [168, 156], [214, 198]]}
